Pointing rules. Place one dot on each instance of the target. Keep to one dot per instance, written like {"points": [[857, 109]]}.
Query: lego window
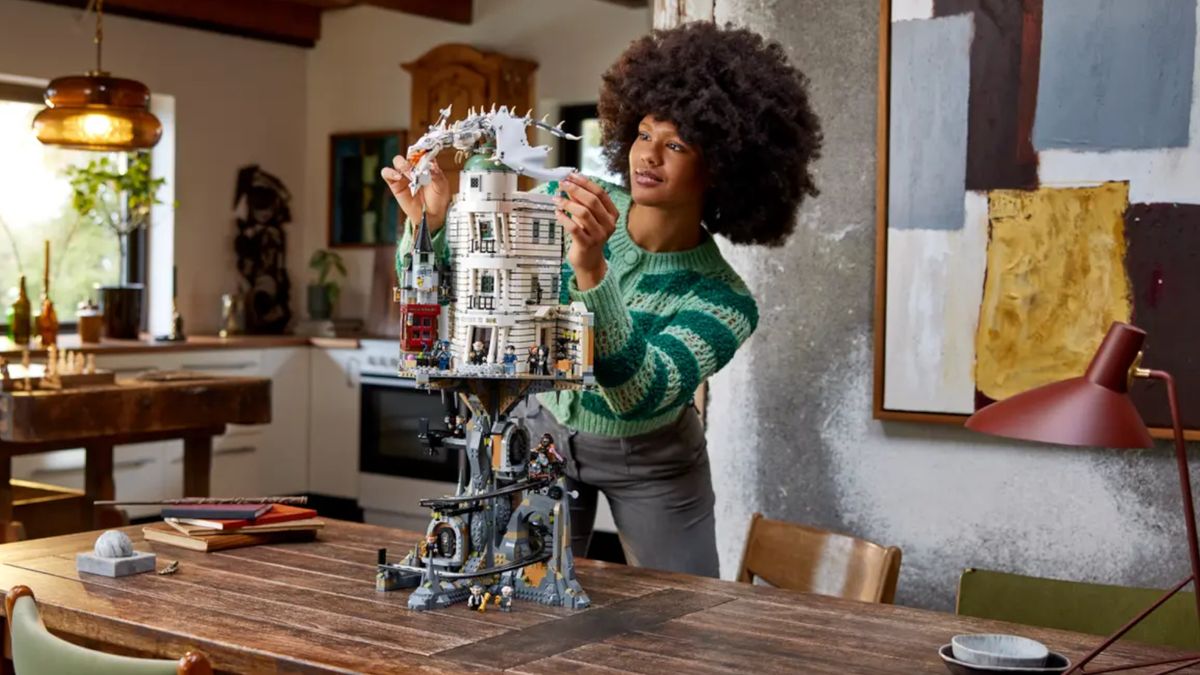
{"points": [[550, 234], [485, 229], [487, 283], [536, 288], [474, 182], [537, 231]]}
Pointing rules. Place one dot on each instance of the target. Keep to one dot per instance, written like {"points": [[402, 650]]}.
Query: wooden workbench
{"points": [[97, 418]]}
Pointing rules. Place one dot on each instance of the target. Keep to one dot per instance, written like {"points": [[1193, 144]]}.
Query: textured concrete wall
{"points": [[806, 448]]}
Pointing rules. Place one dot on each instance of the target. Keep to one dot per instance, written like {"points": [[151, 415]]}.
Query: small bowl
{"points": [[993, 649], [1056, 664]]}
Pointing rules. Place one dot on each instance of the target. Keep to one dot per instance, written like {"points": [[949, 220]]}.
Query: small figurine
{"points": [[429, 546], [443, 359], [475, 600], [51, 361], [543, 360], [531, 360], [505, 599], [4, 370], [510, 360], [478, 353], [545, 462], [90, 369]]}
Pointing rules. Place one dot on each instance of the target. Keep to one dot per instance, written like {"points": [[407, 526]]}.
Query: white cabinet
{"points": [[333, 421], [283, 459], [262, 459]]}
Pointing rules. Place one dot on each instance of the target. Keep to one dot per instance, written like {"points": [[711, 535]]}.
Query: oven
{"points": [[395, 470], [390, 419]]}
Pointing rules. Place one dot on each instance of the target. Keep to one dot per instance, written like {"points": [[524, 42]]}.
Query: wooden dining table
{"points": [[312, 607]]}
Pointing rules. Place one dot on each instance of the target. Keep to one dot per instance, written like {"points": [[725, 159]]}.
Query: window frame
{"points": [[135, 261]]}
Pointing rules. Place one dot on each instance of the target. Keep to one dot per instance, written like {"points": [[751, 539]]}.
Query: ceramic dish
{"points": [[1056, 664], [994, 649]]}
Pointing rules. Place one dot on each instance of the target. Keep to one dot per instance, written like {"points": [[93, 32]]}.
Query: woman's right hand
{"points": [[433, 198]]}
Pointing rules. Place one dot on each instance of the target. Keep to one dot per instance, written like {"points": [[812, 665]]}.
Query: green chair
{"points": [[36, 651], [1097, 609]]}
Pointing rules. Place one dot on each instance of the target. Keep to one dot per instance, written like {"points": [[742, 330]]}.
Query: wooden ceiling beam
{"points": [[454, 11], [285, 21], [295, 22]]}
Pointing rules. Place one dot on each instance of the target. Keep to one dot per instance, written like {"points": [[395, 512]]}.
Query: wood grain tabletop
{"points": [[312, 607]]}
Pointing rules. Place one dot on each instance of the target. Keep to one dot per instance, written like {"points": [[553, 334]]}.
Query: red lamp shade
{"points": [[1093, 410]]}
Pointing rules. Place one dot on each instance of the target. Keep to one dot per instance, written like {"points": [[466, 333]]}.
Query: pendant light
{"points": [[97, 111]]}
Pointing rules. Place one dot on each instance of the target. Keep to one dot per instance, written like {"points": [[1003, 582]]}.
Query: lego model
{"points": [[505, 532], [504, 286]]}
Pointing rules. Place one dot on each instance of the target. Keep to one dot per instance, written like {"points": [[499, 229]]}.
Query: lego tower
{"points": [[420, 309], [507, 253]]}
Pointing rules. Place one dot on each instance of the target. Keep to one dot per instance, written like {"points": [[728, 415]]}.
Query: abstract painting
{"points": [[362, 212], [1039, 179]]}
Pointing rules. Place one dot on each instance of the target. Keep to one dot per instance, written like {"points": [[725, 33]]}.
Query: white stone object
{"points": [[113, 556]]}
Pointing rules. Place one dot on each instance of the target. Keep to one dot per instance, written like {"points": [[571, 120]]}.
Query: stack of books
{"points": [[214, 527]]}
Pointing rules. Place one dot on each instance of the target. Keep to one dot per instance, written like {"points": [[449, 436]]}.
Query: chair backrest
{"points": [[801, 558], [36, 651], [1097, 609]]}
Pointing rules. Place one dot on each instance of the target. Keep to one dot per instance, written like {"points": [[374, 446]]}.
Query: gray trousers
{"points": [[658, 486]]}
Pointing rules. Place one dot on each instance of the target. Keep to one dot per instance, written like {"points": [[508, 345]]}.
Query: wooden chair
{"points": [[36, 651], [1098, 609], [808, 559]]}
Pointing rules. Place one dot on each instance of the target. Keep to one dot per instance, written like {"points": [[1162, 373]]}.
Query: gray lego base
{"points": [[115, 567]]}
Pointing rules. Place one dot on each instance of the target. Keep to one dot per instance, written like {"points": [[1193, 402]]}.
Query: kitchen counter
{"points": [[194, 343]]}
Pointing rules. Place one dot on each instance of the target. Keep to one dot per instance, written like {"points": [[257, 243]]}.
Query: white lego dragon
{"points": [[498, 125]]}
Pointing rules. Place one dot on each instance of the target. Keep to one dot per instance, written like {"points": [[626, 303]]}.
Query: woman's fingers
{"points": [[578, 234], [581, 215], [579, 180]]}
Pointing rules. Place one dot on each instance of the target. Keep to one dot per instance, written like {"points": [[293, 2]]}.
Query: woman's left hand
{"points": [[590, 217]]}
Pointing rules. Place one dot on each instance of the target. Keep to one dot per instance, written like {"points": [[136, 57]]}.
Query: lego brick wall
{"points": [[810, 452]]}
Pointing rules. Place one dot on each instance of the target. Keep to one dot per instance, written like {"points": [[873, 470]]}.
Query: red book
{"points": [[275, 513]]}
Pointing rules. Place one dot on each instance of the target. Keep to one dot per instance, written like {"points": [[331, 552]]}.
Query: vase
{"points": [[122, 308], [319, 307]]}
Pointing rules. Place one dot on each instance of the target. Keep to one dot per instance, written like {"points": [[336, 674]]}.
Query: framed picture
{"points": [[1037, 180], [362, 212]]}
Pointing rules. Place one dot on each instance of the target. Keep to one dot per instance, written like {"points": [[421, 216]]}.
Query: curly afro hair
{"points": [[734, 97]]}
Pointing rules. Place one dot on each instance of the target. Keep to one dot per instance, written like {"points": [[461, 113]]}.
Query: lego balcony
{"points": [[481, 302]]}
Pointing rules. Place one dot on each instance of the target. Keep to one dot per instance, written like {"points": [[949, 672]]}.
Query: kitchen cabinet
{"points": [[333, 421]]}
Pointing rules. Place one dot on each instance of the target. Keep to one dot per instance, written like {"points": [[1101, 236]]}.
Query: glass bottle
{"points": [[18, 318]]}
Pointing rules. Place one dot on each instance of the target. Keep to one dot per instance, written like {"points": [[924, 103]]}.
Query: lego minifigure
{"points": [[543, 360], [475, 600], [478, 354], [429, 547], [510, 360], [545, 462], [505, 599], [443, 355]]}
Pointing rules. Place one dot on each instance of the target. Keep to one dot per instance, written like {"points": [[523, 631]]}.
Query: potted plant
{"points": [[120, 201], [323, 293]]}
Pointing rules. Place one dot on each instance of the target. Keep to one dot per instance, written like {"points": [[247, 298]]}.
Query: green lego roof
{"points": [[481, 161]]}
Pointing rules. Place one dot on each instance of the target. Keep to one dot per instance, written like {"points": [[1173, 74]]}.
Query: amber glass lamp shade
{"points": [[97, 112], [1092, 410]]}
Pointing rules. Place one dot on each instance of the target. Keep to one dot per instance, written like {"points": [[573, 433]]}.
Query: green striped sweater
{"points": [[664, 323]]}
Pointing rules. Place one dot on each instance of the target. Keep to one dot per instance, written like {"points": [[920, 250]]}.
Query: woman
{"points": [[712, 130]]}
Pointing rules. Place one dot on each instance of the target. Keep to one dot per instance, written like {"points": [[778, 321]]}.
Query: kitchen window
{"points": [[35, 206]]}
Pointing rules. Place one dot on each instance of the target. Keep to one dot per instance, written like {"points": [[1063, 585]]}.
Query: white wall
{"points": [[355, 82], [237, 102]]}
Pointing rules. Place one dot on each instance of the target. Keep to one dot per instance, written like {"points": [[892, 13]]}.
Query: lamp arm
{"points": [[1189, 515], [1185, 482]]}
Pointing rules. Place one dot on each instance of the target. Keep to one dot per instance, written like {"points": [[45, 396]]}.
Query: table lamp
{"points": [[1095, 410]]}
